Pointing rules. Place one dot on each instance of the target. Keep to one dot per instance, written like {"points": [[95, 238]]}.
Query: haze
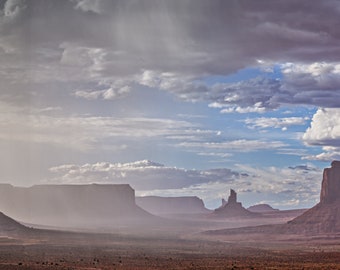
{"points": [[175, 98]]}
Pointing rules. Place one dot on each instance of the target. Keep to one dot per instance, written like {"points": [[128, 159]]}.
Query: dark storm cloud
{"points": [[260, 94], [102, 41]]}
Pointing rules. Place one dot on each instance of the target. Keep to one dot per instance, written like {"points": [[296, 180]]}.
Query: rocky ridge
{"points": [[9, 227]]}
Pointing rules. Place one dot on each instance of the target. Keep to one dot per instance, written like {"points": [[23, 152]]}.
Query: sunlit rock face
{"points": [[330, 189], [325, 216], [232, 208]]}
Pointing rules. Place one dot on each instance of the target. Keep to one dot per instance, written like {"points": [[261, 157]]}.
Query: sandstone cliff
{"points": [[325, 216], [330, 188]]}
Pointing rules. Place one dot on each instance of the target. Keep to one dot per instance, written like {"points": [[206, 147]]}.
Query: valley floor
{"points": [[63, 250]]}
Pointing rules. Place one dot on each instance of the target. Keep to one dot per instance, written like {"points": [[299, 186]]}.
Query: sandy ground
{"points": [[180, 243], [63, 250]]}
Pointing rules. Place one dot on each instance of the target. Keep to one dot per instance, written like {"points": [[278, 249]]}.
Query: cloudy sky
{"points": [[179, 97]]}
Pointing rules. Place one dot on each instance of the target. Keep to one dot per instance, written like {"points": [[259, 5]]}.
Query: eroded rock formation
{"points": [[325, 216], [232, 197], [330, 188], [232, 208]]}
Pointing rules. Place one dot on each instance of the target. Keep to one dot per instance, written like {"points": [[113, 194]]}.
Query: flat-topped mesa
{"points": [[330, 188], [71, 205]]}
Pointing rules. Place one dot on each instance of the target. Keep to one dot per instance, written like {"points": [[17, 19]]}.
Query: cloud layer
{"points": [[273, 122], [84, 132], [175, 46]]}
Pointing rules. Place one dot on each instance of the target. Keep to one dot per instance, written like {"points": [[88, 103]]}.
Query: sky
{"points": [[174, 97]]}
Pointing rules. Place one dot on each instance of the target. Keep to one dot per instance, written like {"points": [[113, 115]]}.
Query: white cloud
{"points": [[328, 155], [13, 8], [242, 145], [274, 122], [315, 70], [216, 154], [84, 132], [316, 83], [111, 93], [95, 6], [257, 108], [324, 131], [88, 94], [142, 175]]}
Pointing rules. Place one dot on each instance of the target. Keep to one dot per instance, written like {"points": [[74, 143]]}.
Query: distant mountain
{"points": [[262, 208], [70, 205], [172, 205]]}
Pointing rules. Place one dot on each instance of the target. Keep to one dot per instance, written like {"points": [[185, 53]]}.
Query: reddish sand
{"points": [[61, 250]]}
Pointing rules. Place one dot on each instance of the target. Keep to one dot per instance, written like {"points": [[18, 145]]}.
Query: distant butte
{"points": [[262, 208], [232, 208], [71, 205]]}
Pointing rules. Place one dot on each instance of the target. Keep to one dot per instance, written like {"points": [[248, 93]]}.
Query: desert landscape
{"points": [[230, 237], [169, 134], [101, 251]]}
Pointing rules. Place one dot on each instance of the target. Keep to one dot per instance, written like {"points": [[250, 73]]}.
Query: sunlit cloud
{"points": [[273, 122], [236, 145]]}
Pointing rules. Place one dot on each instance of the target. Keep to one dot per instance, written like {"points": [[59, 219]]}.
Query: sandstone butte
{"points": [[325, 216], [232, 208]]}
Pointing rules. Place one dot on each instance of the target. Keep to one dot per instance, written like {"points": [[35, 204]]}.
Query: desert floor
{"points": [[70, 250]]}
